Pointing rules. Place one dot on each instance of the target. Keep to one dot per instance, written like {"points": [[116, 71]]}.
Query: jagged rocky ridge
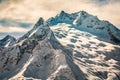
{"points": [[39, 55]]}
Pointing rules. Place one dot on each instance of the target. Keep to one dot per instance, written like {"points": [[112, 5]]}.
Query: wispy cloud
{"points": [[103, 2], [29, 11], [8, 25], [12, 29], [14, 23]]}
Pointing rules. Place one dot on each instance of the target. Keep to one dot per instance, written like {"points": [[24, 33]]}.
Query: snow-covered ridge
{"points": [[96, 58], [65, 47], [33, 30], [7, 41], [37, 54], [86, 22]]}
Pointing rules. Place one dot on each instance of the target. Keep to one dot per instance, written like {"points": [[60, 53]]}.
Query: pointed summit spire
{"points": [[40, 22], [63, 13], [84, 13]]}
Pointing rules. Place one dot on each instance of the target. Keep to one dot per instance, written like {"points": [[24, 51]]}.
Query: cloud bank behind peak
{"points": [[29, 11]]}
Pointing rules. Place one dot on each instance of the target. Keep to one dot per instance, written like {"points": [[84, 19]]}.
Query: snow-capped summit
{"points": [[7, 41], [40, 22], [65, 47], [38, 55], [63, 14], [86, 22], [63, 17]]}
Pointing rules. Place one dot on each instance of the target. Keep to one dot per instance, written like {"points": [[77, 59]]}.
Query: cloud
{"points": [[8, 25], [2, 1], [14, 23], [29, 11], [104, 2], [13, 29]]}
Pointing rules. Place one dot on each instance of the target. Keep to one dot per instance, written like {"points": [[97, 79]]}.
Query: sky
{"points": [[21, 15]]}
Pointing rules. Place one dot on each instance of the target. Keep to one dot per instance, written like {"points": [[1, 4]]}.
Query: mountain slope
{"points": [[37, 55], [88, 23], [76, 46], [99, 60]]}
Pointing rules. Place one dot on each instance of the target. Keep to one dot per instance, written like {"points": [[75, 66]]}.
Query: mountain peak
{"points": [[83, 12], [77, 51], [8, 40], [86, 22], [40, 21], [62, 14], [8, 37]]}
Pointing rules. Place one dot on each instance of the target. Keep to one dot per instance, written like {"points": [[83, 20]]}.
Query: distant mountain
{"points": [[7, 41], [76, 46], [14, 34]]}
